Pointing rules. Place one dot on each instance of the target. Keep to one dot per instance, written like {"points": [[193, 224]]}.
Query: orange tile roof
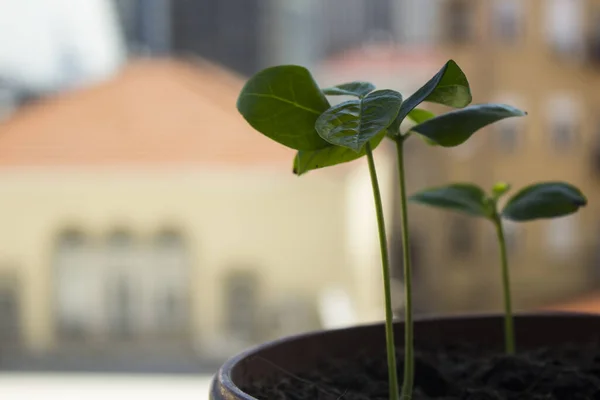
{"points": [[153, 112]]}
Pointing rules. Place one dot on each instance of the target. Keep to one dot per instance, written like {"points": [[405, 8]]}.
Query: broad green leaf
{"points": [[283, 103], [308, 160], [500, 189], [353, 123], [456, 126], [358, 89], [418, 115], [544, 200], [449, 87], [461, 197]]}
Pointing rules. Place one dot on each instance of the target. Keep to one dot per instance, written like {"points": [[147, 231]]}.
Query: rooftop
{"points": [[154, 112]]}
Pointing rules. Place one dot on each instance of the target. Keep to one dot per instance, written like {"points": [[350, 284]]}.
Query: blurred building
{"points": [[143, 213], [144, 216], [541, 56], [247, 35]]}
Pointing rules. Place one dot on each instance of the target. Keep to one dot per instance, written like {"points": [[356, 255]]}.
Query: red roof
{"points": [[153, 112]]}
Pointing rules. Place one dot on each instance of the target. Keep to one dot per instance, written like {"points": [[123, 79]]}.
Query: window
{"points": [[71, 239], [145, 24], [170, 244], [510, 132], [9, 310], [563, 117], [120, 239], [461, 236], [241, 302], [78, 287], [507, 19], [169, 316], [564, 26], [562, 236], [507, 135], [397, 254], [459, 21], [170, 288], [512, 235], [594, 43], [562, 133], [120, 310], [378, 18]]}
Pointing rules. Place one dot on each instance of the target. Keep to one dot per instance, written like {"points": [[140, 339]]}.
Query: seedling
{"points": [[536, 201], [285, 104]]}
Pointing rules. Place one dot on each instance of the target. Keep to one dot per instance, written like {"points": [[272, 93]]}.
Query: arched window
{"points": [[74, 285], [241, 304], [169, 239], [120, 239], [71, 239], [461, 236], [10, 327], [122, 276], [169, 293]]}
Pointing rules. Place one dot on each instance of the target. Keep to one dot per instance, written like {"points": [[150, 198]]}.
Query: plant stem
{"points": [[409, 361], [509, 332], [389, 323]]}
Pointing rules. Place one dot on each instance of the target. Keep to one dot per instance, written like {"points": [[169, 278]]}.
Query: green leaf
{"points": [[353, 123], [544, 200], [358, 89], [308, 160], [455, 127], [500, 189], [418, 115], [461, 197], [449, 87], [283, 103]]}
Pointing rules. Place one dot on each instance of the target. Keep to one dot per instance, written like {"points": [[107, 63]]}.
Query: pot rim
{"points": [[223, 375]]}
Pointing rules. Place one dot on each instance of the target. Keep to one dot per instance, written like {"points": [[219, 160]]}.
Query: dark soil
{"points": [[456, 373]]}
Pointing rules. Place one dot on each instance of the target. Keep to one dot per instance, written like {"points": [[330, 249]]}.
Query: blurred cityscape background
{"points": [[146, 228]]}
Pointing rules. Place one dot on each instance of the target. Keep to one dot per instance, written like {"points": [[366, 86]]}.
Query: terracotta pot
{"points": [[303, 352]]}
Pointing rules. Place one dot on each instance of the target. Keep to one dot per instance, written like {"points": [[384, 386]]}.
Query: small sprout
{"points": [[540, 200], [500, 189], [285, 104]]}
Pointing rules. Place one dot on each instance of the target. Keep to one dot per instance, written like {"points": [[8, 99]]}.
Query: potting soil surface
{"points": [[570, 372]]}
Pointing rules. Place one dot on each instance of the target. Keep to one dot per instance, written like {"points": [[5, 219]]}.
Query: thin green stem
{"points": [[389, 323], [409, 360], [509, 332]]}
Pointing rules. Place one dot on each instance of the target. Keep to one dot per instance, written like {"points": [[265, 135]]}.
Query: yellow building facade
{"points": [[144, 213], [541, 56]]}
